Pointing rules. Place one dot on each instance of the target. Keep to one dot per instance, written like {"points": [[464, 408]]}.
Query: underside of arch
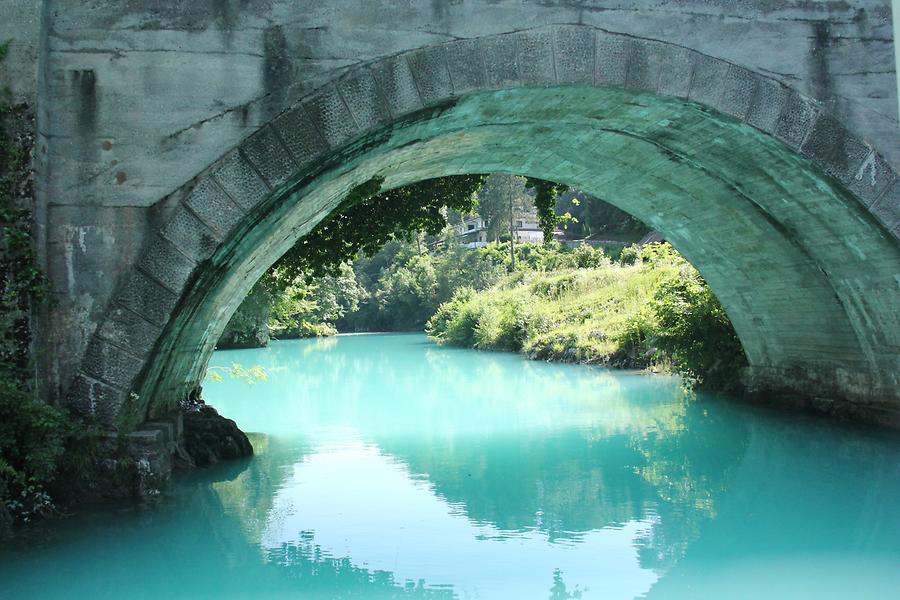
{"points": [[809, 276]]}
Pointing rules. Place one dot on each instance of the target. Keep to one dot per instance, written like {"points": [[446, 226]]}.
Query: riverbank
{"points": [[650, 310]]}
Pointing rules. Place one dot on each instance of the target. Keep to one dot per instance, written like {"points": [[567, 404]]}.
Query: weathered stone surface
{"points": [[535, 57], [301, 135], [429, 68], [127, 329], [265, 152], [110, 364], [148, 298], [738, 92], [708, 79], [217, 211], [871, 179], [395, 79], [887, 207], [834, 149], [574, 54], [676, 66], [364, 100], [164, 263], [465, 59], [331, 117], [796, 119], [90, 397], [191, 236], [238, 179], [768, 102], [501, 61], [611, 62]]}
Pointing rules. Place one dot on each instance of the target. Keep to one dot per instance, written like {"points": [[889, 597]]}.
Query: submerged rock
{"points": [[210, 437]]}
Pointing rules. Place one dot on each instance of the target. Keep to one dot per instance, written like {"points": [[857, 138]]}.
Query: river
{"points": [[388, 467]]}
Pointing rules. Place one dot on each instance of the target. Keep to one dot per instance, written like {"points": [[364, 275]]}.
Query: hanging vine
{"points": [[546, 193]]}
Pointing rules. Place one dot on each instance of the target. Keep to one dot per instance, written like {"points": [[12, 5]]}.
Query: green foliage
{"points": [[651, 313], [368, 218], [546, 193], [500, 198], [693, 329]]}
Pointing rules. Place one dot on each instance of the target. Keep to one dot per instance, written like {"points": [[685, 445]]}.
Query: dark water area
{"points": [[387, 467]]}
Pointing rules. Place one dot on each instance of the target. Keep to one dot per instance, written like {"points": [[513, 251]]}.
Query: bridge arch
{"points": [[793, 220]]}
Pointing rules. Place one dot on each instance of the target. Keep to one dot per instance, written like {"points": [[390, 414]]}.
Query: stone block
{"points": [[331, 117], [574, 54], [165, 429], [127, 329], [164, 263], [89, 397], [147, 298], [642, 65], [611, 62], [240, 181], [834, 149], [768, 101], [144, 440], [887, 207], [465, 59], [190, 235], [871, 179], [364, 99], [501, 63], [300, 134], [706, 84], [535, 56], [795, 120], [266, 152], [676, 67], [110, 364], [738, 92], [396, 82], [429, 68], [213, 206]]}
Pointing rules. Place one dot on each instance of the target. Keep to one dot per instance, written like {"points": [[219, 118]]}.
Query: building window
{"points": [[471, 227]]}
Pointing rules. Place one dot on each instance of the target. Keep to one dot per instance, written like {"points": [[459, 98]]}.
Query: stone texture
{"points": [[465, 59], [301, 135], [795, 120], [331, 117], [429, 69], [643, 66], [611, 63], [574, 54], [871, 179], [217, 211], [738, 92], [676, 66], [238, 179], [127, 329], [395, 79], [110, 364], [535, 57], [210, 438], [887, 207], [265, 152], [364, 100], [707, 82], [190, 235], [767, 103], [501, 61], [164, 263], [834, 149], [148, 298], [90, 397]]}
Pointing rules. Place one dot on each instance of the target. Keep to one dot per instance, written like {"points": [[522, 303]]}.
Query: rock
{"points": [[210, 437]]}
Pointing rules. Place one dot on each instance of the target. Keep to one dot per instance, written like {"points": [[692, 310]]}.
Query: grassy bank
{"points": [[650, 309]]}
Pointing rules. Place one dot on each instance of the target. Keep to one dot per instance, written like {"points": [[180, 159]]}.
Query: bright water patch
{"points": [[387, 467]]}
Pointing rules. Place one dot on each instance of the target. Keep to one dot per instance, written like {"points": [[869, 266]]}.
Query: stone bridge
{"points": [[182, 147]]}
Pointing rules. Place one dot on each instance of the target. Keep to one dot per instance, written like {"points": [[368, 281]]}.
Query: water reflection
{"points": [[391, 468]]}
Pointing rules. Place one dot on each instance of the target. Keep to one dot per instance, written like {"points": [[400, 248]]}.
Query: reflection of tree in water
{"points": [[319, 576], [559, 591], [670, 473], [688, 460]]}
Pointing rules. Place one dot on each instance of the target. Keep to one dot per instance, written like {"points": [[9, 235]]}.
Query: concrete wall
{"points": [[138, 98]]}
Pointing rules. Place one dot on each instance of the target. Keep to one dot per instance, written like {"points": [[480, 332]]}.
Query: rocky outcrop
{"points": [[210, 437]]}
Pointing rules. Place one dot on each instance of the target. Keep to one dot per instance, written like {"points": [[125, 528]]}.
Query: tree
{"points": [[500, 198]]}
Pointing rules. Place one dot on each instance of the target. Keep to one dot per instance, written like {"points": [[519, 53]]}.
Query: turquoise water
{"points": [[387, 467]]}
